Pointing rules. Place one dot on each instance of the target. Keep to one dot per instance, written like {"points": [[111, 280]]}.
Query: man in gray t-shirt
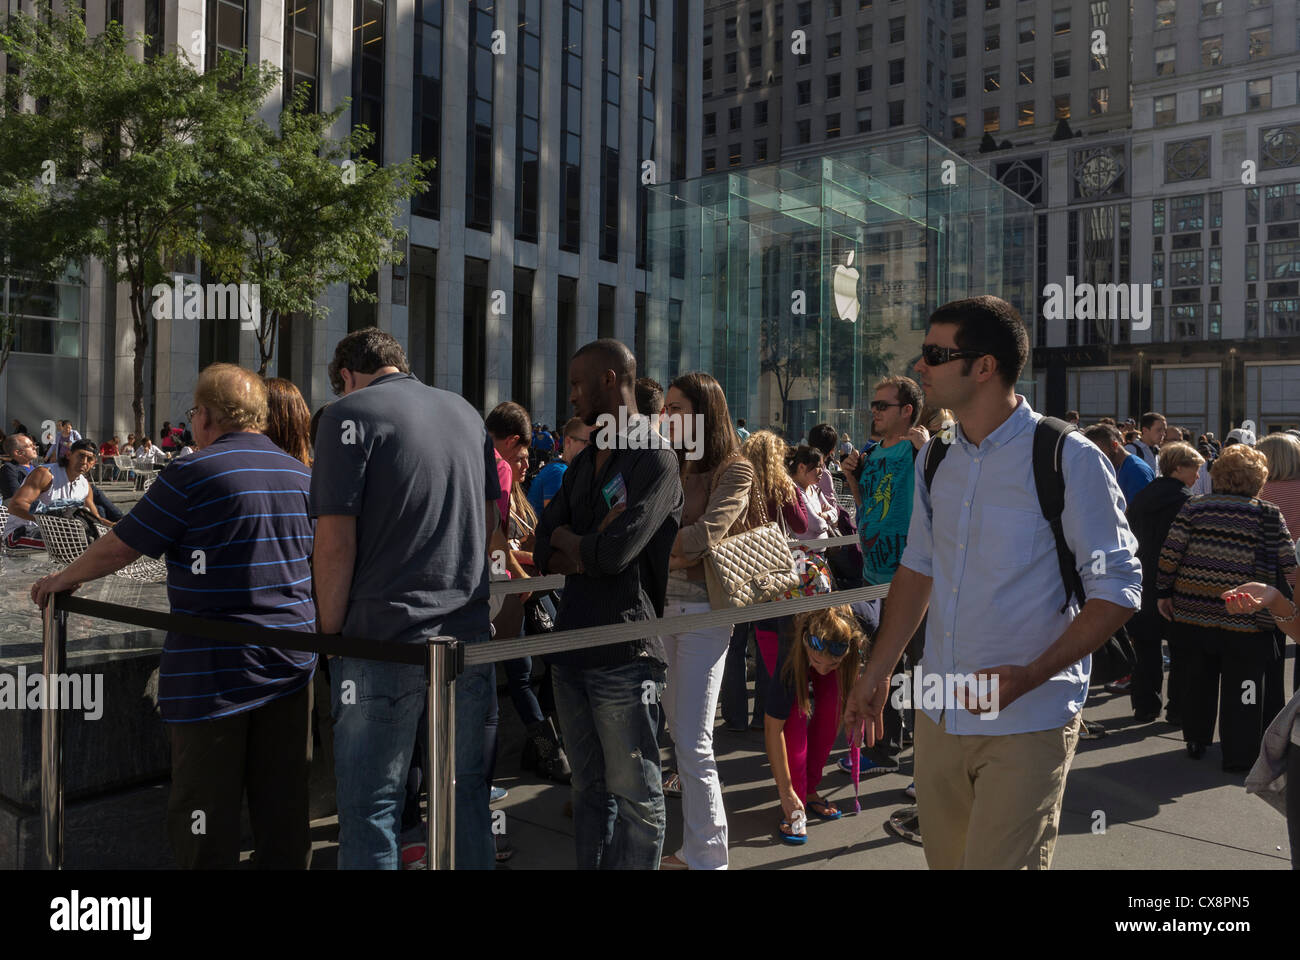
{"points": [[403, 488]]}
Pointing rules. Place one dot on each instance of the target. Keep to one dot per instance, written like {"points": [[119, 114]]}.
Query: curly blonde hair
{"points": [[1239, 470], [767, 452]]}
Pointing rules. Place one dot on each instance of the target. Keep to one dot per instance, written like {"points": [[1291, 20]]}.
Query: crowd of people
{"points": [[361, 521]]}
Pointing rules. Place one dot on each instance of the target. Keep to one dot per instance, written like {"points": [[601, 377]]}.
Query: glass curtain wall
{"points": [[807, 281]]}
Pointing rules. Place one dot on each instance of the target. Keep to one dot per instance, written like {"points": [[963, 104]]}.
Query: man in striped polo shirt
{"points": [[232, 520]]}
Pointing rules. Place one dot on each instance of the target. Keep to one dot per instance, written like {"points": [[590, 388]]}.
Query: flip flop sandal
{"points": [[794, 839], [905, 824], [822, 809]]}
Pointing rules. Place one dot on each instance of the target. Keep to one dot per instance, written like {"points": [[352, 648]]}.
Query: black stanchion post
{"points": [[54, 651], [443, 656]]}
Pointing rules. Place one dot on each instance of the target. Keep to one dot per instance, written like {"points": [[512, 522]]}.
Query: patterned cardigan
{"points": [[1215, 543]]}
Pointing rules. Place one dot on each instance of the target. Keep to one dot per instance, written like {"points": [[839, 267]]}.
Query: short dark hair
{"points": [[365, 351], [1103, 435], [824, 437], [909, 392], [806, 455], [1072, 416], [614, 355], [509, 419], [988, 325], [82, 444], [649, 396], [1151, 417]]}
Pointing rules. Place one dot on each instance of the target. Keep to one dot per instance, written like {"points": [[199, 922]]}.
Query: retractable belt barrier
{"points": [[444, 658]]}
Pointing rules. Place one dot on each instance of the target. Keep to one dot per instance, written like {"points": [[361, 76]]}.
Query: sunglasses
{"points": [[836, 648], [880, 406], [936, 356]]}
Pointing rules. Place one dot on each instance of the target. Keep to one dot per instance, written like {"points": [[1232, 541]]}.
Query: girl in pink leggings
{"points": [[811, 668]]}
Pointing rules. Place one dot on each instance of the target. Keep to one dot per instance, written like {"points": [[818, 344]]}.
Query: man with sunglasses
{"points": [[990, 772], [881, 483]]}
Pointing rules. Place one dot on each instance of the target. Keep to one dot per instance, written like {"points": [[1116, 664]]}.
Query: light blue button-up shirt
{"points": [[997, 592]]}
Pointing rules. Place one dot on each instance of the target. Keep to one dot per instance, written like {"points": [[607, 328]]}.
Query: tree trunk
{"points": [[140, 322]]}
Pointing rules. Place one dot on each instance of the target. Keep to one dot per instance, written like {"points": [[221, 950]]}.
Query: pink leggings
{"points": [[808, 741]]}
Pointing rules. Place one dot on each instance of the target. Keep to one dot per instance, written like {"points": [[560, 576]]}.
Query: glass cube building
{"points": [[800, 284]]}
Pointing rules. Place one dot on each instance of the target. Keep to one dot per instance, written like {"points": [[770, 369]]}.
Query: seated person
{"points": [[812, 667], [20, 454], [52, 488]]}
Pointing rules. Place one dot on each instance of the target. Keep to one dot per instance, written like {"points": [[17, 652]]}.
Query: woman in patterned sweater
{"points": [[1216, 542]]}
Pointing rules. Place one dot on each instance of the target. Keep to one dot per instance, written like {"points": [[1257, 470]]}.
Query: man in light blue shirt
{"points": [[991, 758]]}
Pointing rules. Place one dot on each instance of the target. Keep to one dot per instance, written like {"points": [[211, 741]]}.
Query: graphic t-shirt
{"points": [[886, 482]]}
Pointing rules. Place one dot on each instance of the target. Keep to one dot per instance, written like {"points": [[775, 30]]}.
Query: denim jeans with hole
{"points": [[377, 708], [609, 716]]}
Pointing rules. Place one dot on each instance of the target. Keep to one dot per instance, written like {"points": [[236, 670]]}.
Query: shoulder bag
{"points": [[754, 566]]}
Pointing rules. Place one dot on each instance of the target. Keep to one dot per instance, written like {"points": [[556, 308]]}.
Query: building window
{"points": [[528, 100], [1164, 13], [1188, 213], [1260, 43], [1098, 101], [760, 113], [803, 14], [864, 119], [730, 61], [426, 137], [803, 93], [832, 126], [864, 37], [733, 155], [958, 8], [756, 57], [1165, 61], [1025, 114], [992, 38], [1099, 172], [803, 131], [1025, 29], [896, 113], [1157, 217], [760, 150], [959, 86], [1165, 110], [609, 126], [991, 79], [1259, 94], [991, 119], [1211, 102], [1060, 22], [1211, 8], [368, 82], [864, 79], [1098, 62], [1279, 147], [710, 124], [708, 33], [710, 160], [895, 72], [302, 63], [832, 86], [832, 46], [755, 23], [958, 126], [1099, 13], [734, 118], [571, 127], [1211, 51], [1060, 66], [896, 32], [958, 45], [729, 28], [646, 127], [1187, 160], [1061, 107], [226, 24], [1026, 73]]}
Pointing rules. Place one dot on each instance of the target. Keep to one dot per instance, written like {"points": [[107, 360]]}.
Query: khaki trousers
{"points": [[991, 802]]}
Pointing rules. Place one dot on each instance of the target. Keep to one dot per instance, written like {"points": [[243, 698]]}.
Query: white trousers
{"points": [[695, 666]]}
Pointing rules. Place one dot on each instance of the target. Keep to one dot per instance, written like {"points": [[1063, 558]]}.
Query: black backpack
{"points": [[1049, 480]]}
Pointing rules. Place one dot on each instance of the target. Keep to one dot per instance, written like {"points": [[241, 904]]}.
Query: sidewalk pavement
{"points": [[1160, 809]]}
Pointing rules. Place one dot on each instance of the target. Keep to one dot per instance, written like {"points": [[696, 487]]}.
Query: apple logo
{"points": [[844, 284]]}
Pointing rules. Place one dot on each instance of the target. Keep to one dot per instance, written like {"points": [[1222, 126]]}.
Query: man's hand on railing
{"points": [[45, 587]]}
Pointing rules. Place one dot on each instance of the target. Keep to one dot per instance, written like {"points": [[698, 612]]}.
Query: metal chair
{"points": [[65, 540]]}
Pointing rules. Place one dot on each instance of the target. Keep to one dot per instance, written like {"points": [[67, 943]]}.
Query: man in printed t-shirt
{"points": [[232, 522], [882, 482]]}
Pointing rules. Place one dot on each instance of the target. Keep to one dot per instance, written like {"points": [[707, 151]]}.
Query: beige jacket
{"points": [[713, 512]]}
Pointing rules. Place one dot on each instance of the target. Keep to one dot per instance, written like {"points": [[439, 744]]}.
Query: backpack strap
{"points": [[934, 455], [1049, 481]]}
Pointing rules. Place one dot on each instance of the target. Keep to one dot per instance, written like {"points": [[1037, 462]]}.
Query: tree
{"points": [[131, 142], [294, 211], [787, 349]]}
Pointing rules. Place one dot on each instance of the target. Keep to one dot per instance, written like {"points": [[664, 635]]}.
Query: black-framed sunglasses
{"points": [[835, 648], [880, 406], [189, 414], [936, 356]]}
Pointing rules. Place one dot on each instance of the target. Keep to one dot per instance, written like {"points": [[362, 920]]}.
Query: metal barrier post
{"points": [[441, 762], [54, 651]]}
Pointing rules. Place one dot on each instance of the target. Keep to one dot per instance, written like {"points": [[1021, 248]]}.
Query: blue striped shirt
{"points": [[232, 523]]}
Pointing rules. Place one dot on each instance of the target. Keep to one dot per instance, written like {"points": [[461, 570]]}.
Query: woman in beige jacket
{"points": [[716, 482]]}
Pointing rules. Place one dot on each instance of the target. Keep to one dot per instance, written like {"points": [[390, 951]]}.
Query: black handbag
{"points": [[541, 612], [1115, 659]]}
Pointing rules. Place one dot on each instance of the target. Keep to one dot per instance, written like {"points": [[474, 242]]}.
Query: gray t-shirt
{"points": [[415, 466]]}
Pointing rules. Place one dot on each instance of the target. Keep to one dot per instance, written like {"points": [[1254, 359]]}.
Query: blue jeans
{"points": [[609, 735], [374, 738]]}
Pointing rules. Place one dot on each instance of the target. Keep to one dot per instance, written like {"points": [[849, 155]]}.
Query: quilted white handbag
{"points": [[750, 567]]}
